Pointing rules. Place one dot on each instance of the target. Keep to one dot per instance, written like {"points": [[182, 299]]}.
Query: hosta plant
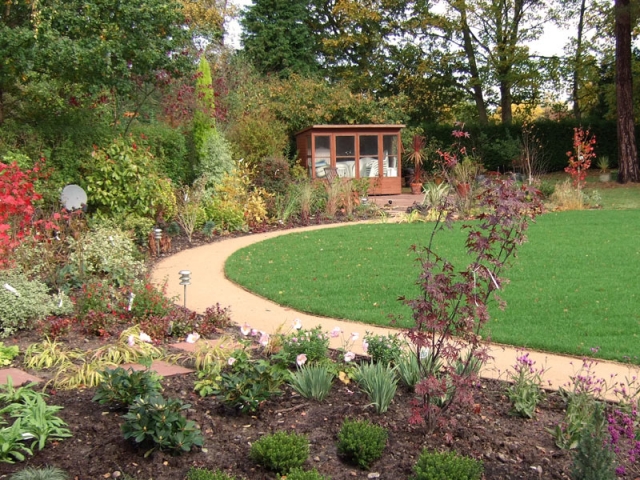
{"points": [[12, 447]]}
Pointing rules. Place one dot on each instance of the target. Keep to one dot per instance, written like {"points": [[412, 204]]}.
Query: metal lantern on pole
{"points": [[157, 233], [185, 279]]}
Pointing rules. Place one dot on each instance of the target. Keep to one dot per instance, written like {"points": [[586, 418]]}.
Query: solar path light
{"points": [[185, 279]]}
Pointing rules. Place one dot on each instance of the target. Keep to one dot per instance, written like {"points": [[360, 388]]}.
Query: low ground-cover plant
{"points": [[379, 382], [8, 353], [300, 474], [446, 466], [159, 422], [44, 473], [281, 451], [361, 442], [204, 474], [525, 391]]}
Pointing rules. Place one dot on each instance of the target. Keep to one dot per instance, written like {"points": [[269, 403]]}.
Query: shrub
{"points": [[446, 466], [204, 474], [148, 300], [379, 382], [44, 473], [153, 420], [361, 442], [281, 451], [30, 304], [121, 387], [567, 197], [300, 474], [385, 349], [313, 381], [214, 158], [106, 252]]}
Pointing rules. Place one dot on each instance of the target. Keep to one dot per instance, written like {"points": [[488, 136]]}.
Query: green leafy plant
{"points": [[204, 474], [281, 451], [312, 381], [153, 420], [594, 458], [121, 387], [43, 473], [379, 382], [525, 391], [248, 384], [446, 466], [385, 349], [9, 394], [12, 447], [300, 474], [8, 353], [361, 442], [38, 421], [313, 343], [208, 379]]}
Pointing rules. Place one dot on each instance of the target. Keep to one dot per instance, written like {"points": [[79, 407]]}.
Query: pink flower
{"points": [[245, 329], [193, 337], [349, 356], [335, 332], [131, 341], [301, 359], [365, 345], [264, 339], [354, 336], [297, 324], [231, 361]]}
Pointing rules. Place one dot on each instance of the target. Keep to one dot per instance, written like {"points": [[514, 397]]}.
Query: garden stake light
{"points": [[157, 233], [185, 279]]}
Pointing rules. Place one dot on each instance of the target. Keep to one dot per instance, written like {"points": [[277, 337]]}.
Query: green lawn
{"points": [[575, 285]]}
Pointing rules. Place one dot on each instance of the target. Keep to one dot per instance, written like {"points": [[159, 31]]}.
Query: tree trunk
{"points": [[476, 84], [575, 94], [505, 102], [627, 152]]}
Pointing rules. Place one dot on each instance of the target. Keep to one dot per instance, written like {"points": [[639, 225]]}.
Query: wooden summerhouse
{"points": [[354, 151]]}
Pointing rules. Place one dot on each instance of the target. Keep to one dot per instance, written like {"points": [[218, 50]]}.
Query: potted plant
{"points": [[464, 174], [416, 155], [603, 165]]}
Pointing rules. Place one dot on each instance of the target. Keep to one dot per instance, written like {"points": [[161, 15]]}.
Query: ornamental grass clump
{"points": [[379, 382], [44, 473], [280, 452], [361, 442], [313, 381], [446, 466]]}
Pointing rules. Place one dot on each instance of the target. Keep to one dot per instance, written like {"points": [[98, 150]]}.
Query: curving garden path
{"points": [[210, 286]]}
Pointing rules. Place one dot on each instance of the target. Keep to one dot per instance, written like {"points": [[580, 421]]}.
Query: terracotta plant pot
{"points": [[416, 188], [463, 189]]}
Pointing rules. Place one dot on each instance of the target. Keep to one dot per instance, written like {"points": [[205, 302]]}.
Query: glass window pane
{"points": [[322, 149], [368, 145], [345, 146], [390, 159]]}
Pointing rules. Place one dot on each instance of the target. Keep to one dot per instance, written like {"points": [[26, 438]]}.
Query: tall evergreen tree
{"points": [[277, 37]]}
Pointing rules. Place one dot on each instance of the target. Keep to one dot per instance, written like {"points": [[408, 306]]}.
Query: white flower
{"points": [[254, 332], [264, 339], [144, 337], [131, 340], [354, 336], [335, 332], [349, 356], [245, 329], [193, 337], [365, 345], [301, 359], [297, 324], [231, 361]]}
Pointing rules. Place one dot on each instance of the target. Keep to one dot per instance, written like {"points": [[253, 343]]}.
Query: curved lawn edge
{"points": [[580, 290]]}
